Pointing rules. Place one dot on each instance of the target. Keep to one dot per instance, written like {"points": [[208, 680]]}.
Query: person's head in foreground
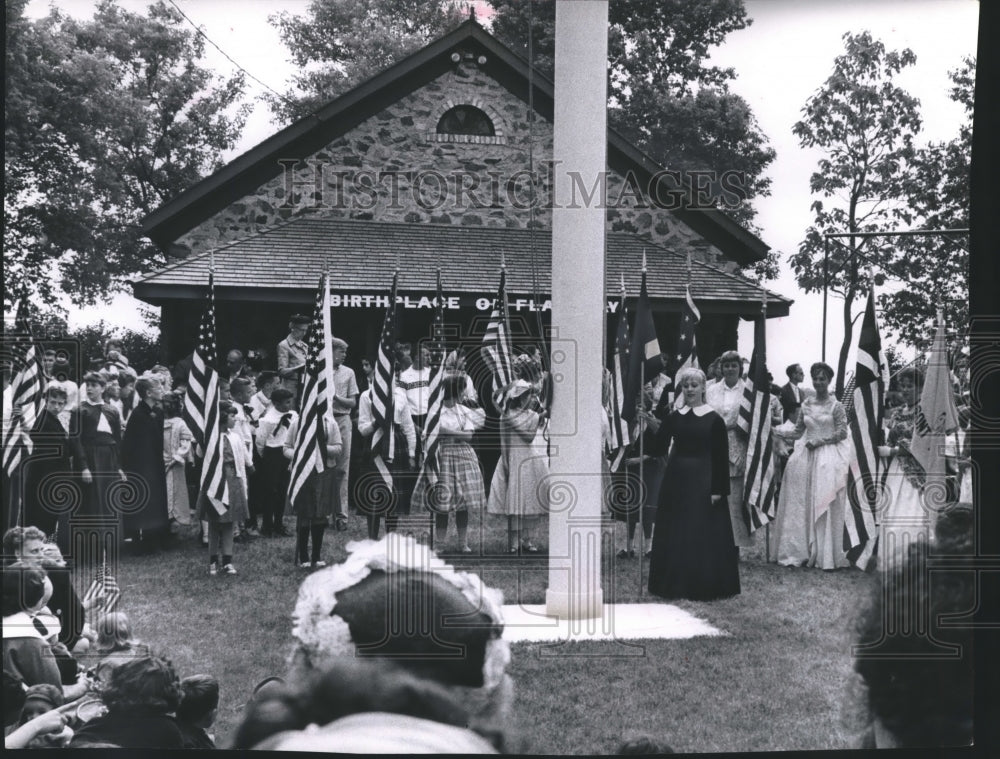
{"points": [[637, 745], [395, 600], [145, 686], [200, 701], [919, 677]]}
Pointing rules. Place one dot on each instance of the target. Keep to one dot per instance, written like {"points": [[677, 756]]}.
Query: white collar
{"points": [[701, 410]]}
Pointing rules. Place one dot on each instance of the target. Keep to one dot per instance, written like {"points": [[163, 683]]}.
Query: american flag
{"points": [[382, 442], [758, 484], [687, 348], [25, 391], [619, 367], [863, 477], [936, 417], [310, 438], [103, 591], [645, 348], [496, 349], [201, 402], [429, 467]]}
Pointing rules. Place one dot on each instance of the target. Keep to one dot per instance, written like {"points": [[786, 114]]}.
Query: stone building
{"points": [[432, 164]]}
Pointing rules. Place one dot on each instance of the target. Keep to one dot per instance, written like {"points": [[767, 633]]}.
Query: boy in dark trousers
{"points": [[271, 433]]}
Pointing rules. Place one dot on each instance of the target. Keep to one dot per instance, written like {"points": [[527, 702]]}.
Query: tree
{"points": [[340, 43], [107, 119], [864, 125], [663, 95], [936, 269]]}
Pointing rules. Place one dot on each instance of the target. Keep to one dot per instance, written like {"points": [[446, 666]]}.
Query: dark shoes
{"points": [[341, 524], [623, 554]]}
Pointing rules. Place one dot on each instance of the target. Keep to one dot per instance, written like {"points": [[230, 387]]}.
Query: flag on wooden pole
{"points": [[428, 476], [25, 391], [865, 423], [201, 402], [758, 484], [309, 455], [620, 432], [496, 349], [687, 347], [382, 442], [645, 347], [936, 417]]}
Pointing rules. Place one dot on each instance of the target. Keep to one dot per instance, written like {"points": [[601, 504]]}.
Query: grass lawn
{"points": [[775, 682]]}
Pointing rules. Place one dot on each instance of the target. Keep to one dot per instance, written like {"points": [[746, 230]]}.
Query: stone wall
{"points": [[395, 167]]}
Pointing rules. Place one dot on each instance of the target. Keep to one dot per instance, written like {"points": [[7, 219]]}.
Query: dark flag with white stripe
{"points": [[758, 484], [382, 442], [309, 454], [645, 348], [25, 391], [428, 477], [864, 477], [201, 402], [687, 345], [620, 433], [496, 350]]}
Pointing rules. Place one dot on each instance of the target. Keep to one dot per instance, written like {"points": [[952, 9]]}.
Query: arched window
{"points": [[466, 119]]}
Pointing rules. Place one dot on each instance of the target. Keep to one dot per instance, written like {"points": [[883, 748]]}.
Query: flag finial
{"points": [[643, 260], [623, 284], [503, 261]]}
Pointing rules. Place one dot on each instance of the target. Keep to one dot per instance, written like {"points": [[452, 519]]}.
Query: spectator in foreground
{"points": [[643, 744], [919, 682], [363, 707], [140, 697], [340, 615], [197, 711]]}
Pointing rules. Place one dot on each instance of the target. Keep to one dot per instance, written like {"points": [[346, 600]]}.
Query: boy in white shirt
{"points": [[271, 434]]}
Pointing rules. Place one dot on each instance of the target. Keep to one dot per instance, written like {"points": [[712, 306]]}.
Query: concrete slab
{"points": [[620, 622]]}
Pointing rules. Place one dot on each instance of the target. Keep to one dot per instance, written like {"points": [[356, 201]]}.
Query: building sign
{"points": [[453, 302]]}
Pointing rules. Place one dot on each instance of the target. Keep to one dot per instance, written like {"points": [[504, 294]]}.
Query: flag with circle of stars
{"points": [[687, 348]]}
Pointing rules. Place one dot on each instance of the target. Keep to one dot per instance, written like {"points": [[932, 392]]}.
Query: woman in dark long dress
{"points": [[100, 430], [693, 554], [142, 456]]}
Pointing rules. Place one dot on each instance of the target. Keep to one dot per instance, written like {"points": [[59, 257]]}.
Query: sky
{"points": [[780, 59]]}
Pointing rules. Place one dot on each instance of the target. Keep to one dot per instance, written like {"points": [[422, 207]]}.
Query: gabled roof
{"points": [[362, 254], [304, 137]]}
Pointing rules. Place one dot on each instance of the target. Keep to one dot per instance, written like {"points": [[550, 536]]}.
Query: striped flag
{"points": [[758, 483], [496, 349], [309, 454], [428, 477], [201, 402], [645, 348], [103, 591], [382, 442], [865, 423], [25, 391], [687, 347], [620, 433], [936, 417]]}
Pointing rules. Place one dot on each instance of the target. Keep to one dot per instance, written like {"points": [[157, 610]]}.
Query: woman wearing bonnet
{"points": [[430, 685]]}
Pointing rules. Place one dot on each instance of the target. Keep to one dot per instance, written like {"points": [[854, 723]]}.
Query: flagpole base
{"points": [[569, 605]]}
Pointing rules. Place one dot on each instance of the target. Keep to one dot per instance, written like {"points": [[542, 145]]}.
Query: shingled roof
{"points": [[304, 137], [284, 263]]}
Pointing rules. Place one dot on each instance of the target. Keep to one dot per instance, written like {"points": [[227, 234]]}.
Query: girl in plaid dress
{"points": [[460, 480]]}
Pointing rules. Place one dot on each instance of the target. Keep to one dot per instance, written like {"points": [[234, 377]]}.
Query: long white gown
{"points": [[809, 524]]}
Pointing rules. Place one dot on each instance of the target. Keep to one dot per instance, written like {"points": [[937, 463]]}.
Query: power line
{"points": [[228, 57]]}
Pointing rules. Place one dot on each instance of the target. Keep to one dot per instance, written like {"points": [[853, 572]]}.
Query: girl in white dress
{"points": [[810, 521]]}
